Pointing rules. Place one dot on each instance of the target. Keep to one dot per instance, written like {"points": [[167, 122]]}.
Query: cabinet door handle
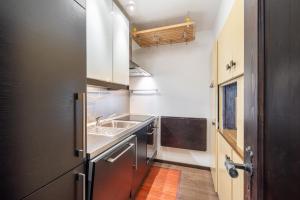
{"points": [[112, 160], [83, 184], [232, 63], [80, 98], [228, 67]]}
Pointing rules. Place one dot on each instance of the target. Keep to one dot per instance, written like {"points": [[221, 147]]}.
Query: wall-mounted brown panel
{"points": [[184, 133]]}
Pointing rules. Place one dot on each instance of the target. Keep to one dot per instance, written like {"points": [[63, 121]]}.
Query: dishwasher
{"points": [[111, 173]]}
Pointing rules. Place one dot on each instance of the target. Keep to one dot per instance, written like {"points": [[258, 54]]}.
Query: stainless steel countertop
{"points": [[97, 144]]}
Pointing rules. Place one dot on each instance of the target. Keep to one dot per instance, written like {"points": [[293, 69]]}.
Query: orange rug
{"points": [[161, 184]]}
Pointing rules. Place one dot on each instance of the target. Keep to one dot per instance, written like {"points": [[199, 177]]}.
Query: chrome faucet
{"points": [[98, 120]]}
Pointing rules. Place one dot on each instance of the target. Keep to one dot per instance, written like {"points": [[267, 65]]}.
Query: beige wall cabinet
{"points": [[107, 42], [224, 55], [231, 44], [237, 17]]}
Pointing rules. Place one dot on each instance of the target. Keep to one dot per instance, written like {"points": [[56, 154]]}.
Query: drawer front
{"points": [[68, 187]]}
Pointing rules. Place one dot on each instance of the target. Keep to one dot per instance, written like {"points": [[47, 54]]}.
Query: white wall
{"points": [[181, 73], [223, 13]]}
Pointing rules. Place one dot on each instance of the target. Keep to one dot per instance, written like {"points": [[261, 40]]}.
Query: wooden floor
{"points": [[195, 184]]}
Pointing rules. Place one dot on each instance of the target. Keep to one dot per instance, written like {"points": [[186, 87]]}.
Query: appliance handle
{"points": [[83, 184], [150, 133], [80, 130], [112, 149], [84, 124], [112, 160], [154, 131], [136, 154], [81, 98]]}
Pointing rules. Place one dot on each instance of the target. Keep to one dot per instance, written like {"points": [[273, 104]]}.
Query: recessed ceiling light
{"points": [[130, 5]]}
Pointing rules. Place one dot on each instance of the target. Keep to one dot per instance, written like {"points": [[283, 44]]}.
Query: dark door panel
{"points": [[68, 187], [112, 173], [141, 170], [42, 59]]}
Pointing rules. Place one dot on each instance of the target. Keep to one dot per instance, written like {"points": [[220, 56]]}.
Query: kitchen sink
{"points": [[111, 129], [119, 124]]}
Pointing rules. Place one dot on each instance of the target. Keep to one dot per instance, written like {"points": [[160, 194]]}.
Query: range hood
{"points": [[137, 71]]}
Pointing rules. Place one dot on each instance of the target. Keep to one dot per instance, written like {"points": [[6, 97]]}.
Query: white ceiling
{"points": [[152, 13]]}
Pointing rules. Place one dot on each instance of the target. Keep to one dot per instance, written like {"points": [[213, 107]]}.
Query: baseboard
{"points": [[182, 164]]}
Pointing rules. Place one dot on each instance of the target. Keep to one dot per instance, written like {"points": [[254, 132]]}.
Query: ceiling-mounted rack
{"points": [[178, 33]]}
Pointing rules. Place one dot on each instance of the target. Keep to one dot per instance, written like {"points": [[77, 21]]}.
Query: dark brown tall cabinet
{"points": [[272, 97], [42, 90]]}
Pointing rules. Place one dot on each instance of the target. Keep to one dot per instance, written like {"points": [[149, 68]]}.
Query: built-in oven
{"points": [[152, 140]]}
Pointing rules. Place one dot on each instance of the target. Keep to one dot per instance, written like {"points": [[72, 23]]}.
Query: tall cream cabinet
{"points": [[107, 42], [214, 114], [231, 45], [228, 59]]}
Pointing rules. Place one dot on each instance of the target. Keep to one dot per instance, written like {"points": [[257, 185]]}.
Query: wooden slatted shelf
{"points": [[178, 33]]}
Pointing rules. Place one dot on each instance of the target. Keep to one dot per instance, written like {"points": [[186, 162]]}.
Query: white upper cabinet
{"points": [[107, 42], [120, 47], [99, 39]]}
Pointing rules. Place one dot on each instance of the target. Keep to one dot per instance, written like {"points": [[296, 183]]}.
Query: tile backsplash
{"points": [[103, 102]]}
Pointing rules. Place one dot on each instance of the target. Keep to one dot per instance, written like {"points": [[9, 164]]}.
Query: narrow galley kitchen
{"points": [[149, 99], [165, 97], [122, 99]]}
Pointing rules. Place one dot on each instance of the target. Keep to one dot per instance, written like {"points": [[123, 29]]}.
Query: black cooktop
{"points": [[136, 118]]}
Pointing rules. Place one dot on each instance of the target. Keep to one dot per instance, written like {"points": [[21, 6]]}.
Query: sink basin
{"points": [[106, 131], [119, 124], [111, 129]]}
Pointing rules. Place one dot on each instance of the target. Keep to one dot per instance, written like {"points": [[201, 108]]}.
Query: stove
{"points": [[136, 118]]}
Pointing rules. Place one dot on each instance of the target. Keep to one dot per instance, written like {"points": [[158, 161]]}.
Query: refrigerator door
{"points": [[70, 186], [43, 67]]}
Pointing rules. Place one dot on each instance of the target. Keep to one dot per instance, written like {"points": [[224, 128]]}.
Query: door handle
{"points": [[232, 167], [80, 98], [150, 133], [112, 160], [83, 184]]}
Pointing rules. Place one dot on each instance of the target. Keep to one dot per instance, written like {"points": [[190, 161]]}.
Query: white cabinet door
{"points": [[99, 39], [120, 47]]}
